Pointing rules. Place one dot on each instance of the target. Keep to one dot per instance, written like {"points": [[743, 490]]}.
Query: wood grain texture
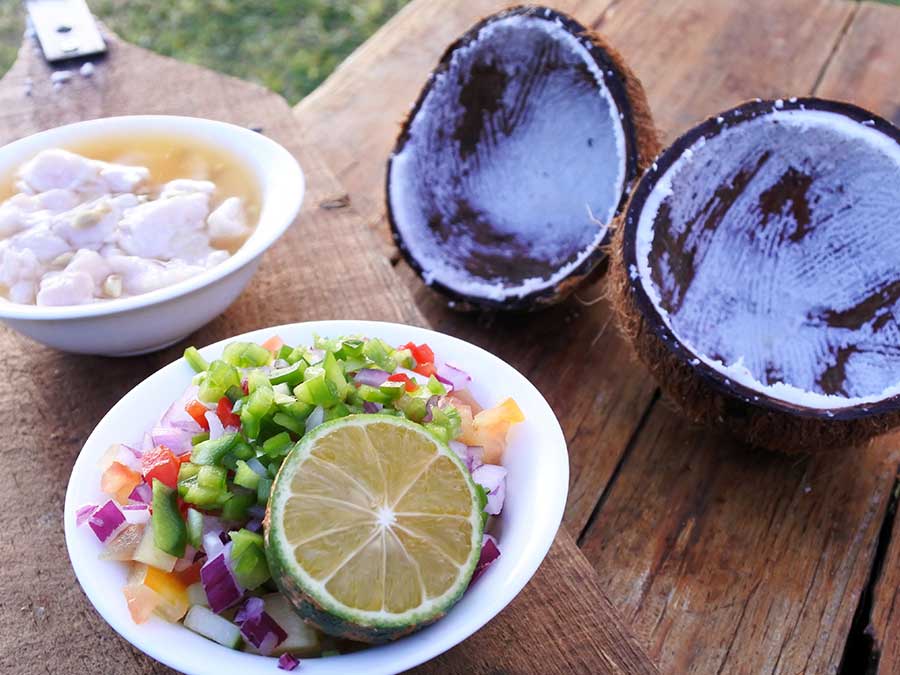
{"points": [[51, 401], [581, 644], [323, 268], [355, 116], [866, 59], [697, 58], [710, 548], [725, 559]]}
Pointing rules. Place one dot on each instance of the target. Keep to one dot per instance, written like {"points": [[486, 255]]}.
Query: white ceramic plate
{"points": [[537, 484]]}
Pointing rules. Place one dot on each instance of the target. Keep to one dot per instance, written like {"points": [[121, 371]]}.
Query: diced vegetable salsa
{"points": [[187, 503]]}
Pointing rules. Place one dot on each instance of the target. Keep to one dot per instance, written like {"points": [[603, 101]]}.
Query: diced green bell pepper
{"points": [[195, 361], [289, 423], [250, 567], [212, 452], [212, 478], [278, 445], [379, 353], [236, 507], [317, 390], [246, 355], [169, 530], [263, 488], [335, 411], [291, 375], [245, 476], [194, 528]]}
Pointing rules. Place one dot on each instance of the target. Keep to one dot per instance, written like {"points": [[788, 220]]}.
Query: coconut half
{"points": [[515, 159], [758, 273]]}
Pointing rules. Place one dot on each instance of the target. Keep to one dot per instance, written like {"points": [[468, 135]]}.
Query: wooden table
{"points": [[716, 558]]}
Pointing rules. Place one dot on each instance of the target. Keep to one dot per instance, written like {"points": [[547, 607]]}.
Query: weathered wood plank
{"points": [[355, 117], [730, 560], [694, 58], [567, 582], [863, 65], [52, 400]]}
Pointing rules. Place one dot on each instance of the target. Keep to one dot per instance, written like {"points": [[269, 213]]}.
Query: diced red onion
{"points": [[142, 494], [443, 380], [216, 429], [106, 521], [493, 479], [186, 560], [288, 662], [136, 514], [372, 377], [130, 457], [83, 514], [262, 632], [257, 466], [253, 525], [371, 408], [474, 457], [176, 440], [316, 417], [455, 376], [458, 448], [222, 589], [317, 356], [147, 443], [176, 416], [251, 609], [212, 544], [257, 511], [490, 551]]}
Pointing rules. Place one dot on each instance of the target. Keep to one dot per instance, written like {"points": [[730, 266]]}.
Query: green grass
{"points": [[289, 46]]}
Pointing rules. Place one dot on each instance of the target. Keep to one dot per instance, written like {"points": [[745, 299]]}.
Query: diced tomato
{"points": [[142, 601], [273, 344], [162, 464], [189, 575], [426, 369], [198, 411], [118, 481], [421, 353], [223, 410], [411, 385]]}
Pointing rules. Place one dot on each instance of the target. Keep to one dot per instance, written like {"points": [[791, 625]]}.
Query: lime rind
{"points": [[310, 597]]}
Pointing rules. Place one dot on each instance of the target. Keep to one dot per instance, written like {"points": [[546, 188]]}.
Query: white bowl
{"points": [[537, 485], [154, 320]]}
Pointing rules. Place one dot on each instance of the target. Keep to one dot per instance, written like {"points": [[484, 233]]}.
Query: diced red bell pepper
{"points": [[421, 353], [411, 385], [161, 463], [198, 411], [426, 369], [273, 344], [223, 410]]}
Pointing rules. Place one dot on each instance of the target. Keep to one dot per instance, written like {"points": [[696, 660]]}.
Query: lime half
{"points": [[374, 527]]}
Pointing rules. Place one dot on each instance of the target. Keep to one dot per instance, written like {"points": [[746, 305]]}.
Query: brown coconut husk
{"points": [[704, 398], [639, 126]]}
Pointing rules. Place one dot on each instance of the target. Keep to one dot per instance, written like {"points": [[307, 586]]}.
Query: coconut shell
{"points": [[642, 145], [703, 394]]}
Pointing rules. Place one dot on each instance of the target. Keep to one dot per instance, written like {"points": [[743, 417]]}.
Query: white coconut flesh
{"points": [[513, 165], [771, 251]]}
